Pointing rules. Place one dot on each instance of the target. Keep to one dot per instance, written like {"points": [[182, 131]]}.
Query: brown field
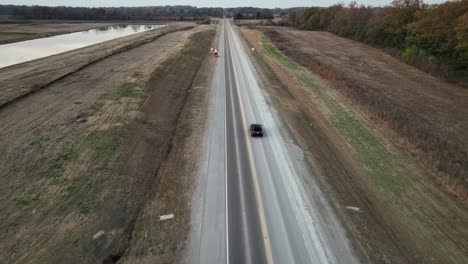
{"points": [[70, 144], [427, 115], [405, 215], [36, 74]]}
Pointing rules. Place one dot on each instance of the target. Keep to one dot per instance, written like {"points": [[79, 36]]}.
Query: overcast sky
{"points": [[199, 3]]}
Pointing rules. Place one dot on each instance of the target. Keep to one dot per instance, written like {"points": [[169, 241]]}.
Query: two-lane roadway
{"points": [[257, 200]]}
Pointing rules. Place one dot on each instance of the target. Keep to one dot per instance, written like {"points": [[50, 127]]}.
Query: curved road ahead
{"points": [[257, 201]]}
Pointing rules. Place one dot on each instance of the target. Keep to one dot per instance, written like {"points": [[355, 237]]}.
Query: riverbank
{"points": [[22, 79], [20, 30]]}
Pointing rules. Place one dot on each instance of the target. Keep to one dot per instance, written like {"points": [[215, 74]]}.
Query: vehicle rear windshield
{"points": [[257, 128]]}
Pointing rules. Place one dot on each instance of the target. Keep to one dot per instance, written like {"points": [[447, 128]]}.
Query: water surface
{"points": [[14, 53]]}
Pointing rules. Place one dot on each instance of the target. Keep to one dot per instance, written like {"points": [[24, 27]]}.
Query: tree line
{"points": [[258, 13], [110, 13], [136, 13], [249, 13], [432, 37]]}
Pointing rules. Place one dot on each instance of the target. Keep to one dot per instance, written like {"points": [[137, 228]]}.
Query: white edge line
{"points": [[225, 151]]}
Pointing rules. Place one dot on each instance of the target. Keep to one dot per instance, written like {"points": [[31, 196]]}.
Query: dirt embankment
{"points": [[164, 241], [427, 115], [39, 73], [81, 153], [390, 205]]}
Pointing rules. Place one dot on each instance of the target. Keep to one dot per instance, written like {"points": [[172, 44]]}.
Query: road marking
{"points": [[254, 175], [225, 154], [246, 230]]}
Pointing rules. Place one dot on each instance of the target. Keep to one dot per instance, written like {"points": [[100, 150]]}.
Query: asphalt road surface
{"points": [[257, 200]]}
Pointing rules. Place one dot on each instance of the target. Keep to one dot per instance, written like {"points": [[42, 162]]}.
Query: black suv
{"points": [[256, 130]]}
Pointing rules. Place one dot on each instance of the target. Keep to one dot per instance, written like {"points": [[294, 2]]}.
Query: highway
{"points": [[257, 201]]}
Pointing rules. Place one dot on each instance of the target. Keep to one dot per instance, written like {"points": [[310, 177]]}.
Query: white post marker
{"points": [[353, 208], [166, 217]]}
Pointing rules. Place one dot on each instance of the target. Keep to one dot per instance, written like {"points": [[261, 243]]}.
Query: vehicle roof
{"points": [[256, 125]]}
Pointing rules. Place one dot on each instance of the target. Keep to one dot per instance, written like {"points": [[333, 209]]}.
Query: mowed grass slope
{"points": [[433, 226]]}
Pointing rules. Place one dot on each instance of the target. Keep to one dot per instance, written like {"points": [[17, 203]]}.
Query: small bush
{"points": [[125, 90], [189, 44]]}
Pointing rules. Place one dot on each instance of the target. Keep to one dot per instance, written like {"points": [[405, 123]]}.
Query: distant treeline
{"points": [[432, 37], [109, 13], [137, 13], [249, 13], [258, 13]]}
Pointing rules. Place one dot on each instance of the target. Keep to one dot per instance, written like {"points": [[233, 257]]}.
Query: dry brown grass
{"points": [[430, 117]]}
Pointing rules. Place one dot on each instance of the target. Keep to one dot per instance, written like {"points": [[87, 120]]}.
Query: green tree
{"points": [[313, 23], [328, 15], [461, 31], [398, 16], [437, 31]]}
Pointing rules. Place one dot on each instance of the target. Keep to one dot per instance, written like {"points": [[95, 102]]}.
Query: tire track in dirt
{"points": [[40, 73], [170, 192], [58, 130]]}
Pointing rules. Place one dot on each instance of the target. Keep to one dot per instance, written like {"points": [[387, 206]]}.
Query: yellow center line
{"points": [[253, 170]]}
